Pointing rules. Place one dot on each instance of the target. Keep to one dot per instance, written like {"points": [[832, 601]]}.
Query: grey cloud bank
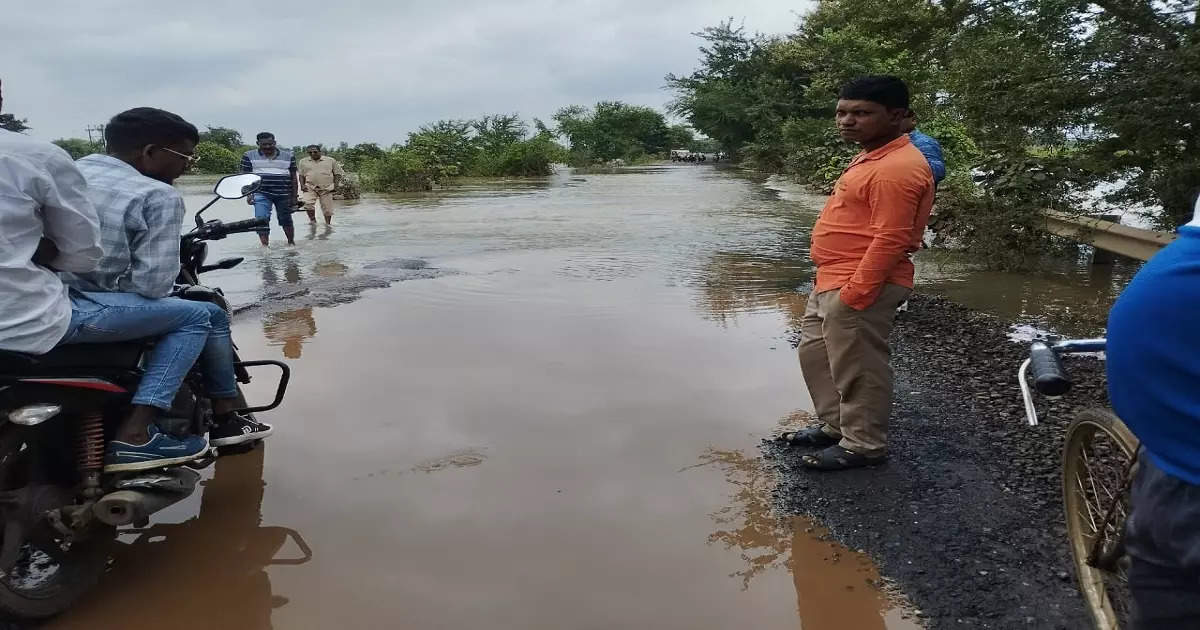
{"points": [[320, 71]]}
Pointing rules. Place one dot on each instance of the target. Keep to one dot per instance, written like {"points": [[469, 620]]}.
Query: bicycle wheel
{"points": [[1097, 460]]}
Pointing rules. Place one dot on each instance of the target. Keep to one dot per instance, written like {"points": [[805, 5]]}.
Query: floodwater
{"points": [[514, 404]]}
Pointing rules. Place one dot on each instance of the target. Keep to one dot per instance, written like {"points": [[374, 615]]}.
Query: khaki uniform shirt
{"points": [[319, 173]]}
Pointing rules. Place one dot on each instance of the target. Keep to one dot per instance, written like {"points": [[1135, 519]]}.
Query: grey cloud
{"points": [[371, 70]]}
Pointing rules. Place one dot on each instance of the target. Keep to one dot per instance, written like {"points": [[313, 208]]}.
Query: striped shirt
{"points": [[140, 222], [276, 172]]}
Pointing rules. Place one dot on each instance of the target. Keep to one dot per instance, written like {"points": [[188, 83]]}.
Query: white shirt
{"points": [[41, 194]]}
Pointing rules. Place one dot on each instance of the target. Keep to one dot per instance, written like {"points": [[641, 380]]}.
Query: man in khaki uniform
{"points": [[319, 176]]}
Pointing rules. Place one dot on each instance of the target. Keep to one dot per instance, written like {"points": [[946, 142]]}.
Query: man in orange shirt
{"points": [[861, 244]]}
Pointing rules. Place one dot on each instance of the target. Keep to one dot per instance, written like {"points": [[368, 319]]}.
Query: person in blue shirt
{"points": [[927, 146], [1153, 362]]}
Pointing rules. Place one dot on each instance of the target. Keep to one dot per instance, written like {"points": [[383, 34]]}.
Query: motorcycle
{"points": [[59, 512]]}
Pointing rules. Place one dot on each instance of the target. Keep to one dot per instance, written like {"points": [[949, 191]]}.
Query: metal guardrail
{"points": [[1107, 235]]}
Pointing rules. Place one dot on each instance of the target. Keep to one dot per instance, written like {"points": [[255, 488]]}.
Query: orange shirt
{"points": [[874, 220]]}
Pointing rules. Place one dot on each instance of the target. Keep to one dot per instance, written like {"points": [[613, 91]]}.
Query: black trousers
{"points": [[1163, 539]]}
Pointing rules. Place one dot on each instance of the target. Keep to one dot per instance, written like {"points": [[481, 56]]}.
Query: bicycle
{"points": [[1099, 458]]}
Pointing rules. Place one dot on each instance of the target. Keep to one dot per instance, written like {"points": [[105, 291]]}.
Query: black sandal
{"points": [[838, 458], [809, 436]]}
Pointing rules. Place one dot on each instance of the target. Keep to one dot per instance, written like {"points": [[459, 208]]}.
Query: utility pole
{"points": [[98, 130]]}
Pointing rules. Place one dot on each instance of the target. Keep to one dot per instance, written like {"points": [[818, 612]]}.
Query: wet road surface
{"points": [[548, 419]]}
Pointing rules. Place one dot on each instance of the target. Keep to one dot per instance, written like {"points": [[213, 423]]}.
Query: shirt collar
{"points": [[111, 162], [882, 151]]}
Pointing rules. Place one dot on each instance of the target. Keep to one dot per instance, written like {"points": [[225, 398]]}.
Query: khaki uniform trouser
{"points": [[313, 195], [844, 354]]}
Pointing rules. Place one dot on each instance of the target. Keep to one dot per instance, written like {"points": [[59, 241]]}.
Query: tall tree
{"points": [[12, 123], [223, 136]]}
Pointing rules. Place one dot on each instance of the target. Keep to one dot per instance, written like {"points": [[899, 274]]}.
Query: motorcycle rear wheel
{"points": [[42, 585]]}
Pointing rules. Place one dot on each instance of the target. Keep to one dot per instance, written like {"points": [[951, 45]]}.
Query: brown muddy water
{"points": [[549, 419]]}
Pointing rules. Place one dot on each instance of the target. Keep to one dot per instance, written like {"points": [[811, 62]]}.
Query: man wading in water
{"points": [[860, 244]]}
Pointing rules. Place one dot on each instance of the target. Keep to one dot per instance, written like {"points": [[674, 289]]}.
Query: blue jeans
{"points": [[185, 330], [283, 210]]}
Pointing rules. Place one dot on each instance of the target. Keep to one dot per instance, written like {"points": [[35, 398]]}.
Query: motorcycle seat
{"points": [[125, 354]]}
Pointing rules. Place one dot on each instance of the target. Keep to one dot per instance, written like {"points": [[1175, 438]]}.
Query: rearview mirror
{"points": [[237, 186]]}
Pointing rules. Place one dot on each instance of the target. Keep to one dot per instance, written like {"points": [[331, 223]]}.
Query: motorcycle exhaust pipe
{"points": [[125, 507], [139, 496]]}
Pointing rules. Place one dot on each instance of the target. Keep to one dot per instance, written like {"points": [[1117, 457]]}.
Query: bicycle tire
{"points": [[1104, 592]]}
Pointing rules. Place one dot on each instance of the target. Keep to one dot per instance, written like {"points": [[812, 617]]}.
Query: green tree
{"points": [[612, 130], [12, 123], [448, 143], [78, 147], [353, 157], [215, 159], [680, 137], [223, 136], [1089, 93]]}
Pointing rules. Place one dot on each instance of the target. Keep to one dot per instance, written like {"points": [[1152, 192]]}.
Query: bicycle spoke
{"points": [[1086, 504]]}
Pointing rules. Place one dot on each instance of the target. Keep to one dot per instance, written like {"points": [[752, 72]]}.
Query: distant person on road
{"points": [[1152, 383], [320, 175], [277, 167], [928, 147], [860, 245]]}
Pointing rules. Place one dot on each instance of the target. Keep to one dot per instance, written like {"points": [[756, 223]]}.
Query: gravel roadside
{"points": [[966, 517]]}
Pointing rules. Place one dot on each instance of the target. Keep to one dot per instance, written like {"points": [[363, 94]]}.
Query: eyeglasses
{"points": [[191, 159]]}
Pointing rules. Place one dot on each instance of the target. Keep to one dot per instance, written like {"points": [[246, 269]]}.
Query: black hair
{"points": [[135, 128], [263, 135], [313, 146], [887, 90]]}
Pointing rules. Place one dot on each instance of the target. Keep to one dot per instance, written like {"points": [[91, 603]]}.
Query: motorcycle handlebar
{"points": [[244, 226]]}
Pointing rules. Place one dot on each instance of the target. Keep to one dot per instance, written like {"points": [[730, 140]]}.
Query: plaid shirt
{"points": [[140, 223]]}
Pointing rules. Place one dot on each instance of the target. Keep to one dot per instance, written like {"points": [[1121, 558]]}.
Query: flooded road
{"points": [[548, 419]]}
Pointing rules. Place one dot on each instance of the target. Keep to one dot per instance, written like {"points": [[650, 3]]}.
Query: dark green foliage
{"points": [[217, 159], [224, 137], [1107, 92], [78, 147], [12, 123], [613, 130]]}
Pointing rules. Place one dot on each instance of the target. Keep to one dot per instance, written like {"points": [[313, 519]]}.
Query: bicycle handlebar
{"points": [[1048, 375]]}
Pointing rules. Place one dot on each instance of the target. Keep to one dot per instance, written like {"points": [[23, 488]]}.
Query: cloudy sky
{"points": [[330, 70]]}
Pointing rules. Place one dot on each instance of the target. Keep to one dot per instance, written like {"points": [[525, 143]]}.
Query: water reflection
{"points": [[735, 282], [834, 586], [316, 233], [274, 270], [290, 329], [206, 572], [1070, 296]]}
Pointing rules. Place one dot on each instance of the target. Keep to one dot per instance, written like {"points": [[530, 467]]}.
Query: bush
{"points": [[78, 147], [401, 170], [214, 159], [533, 157]]}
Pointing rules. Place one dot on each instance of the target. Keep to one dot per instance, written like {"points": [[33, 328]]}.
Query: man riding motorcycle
{"points": [[126, 297], [46, 220]]}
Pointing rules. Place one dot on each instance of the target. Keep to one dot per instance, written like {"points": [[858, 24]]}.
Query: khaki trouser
{"points": [[312, 196], [844, 355]]}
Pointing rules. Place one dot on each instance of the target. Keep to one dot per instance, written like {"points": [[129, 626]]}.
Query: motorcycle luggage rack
{"points": [[280, 390]]}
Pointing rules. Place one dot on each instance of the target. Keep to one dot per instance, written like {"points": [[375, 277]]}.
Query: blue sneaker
{"points": [[162, 450]]}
